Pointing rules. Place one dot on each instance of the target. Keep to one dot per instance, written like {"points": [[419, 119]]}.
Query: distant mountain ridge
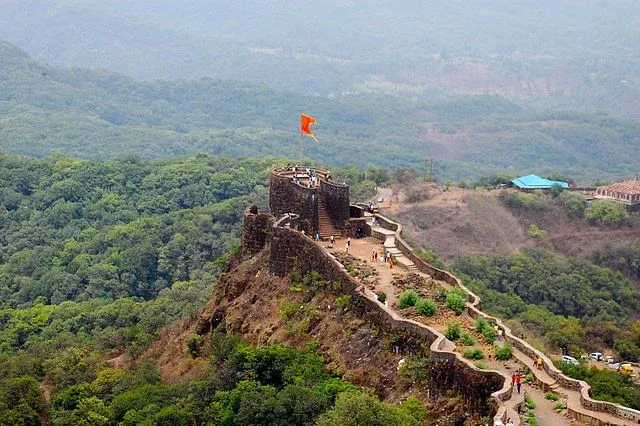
{"points": [[97, 114]]}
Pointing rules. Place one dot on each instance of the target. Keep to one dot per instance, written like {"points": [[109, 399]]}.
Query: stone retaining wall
{"points": [[473, 308], [290, 250]]}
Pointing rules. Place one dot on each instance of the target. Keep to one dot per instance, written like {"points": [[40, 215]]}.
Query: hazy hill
{"points": [[565, 55], [102, 115]]}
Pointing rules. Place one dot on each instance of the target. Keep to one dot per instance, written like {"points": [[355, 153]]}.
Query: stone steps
{"points": [[325, 225]]}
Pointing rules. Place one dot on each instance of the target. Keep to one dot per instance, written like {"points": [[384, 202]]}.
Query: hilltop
{"points": [[100, 115]]}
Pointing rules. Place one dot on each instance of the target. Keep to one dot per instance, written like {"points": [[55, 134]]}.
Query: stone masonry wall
{"points": [[473, 309], [286, 196], [336, 200], [290, 250], [255, 230]]}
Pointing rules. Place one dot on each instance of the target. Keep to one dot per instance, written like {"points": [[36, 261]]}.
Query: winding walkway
{"points": [[511, 406]]}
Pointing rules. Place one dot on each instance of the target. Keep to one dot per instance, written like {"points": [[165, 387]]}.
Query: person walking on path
{"points": [[348, 241], [513, 380], [333, 239], [518, 382], [317, 236]]}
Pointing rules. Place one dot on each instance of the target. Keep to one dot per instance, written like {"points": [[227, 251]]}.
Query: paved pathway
{"points": [[363, 248]]}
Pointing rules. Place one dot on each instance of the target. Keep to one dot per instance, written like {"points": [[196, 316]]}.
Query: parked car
{"points": [[596, 356], [608, 359], [614, 366], [570, 360]]}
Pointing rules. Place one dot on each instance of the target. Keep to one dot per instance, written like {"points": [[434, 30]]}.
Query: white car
{"points": [[570, 360], [596, 356], [614, 366]]}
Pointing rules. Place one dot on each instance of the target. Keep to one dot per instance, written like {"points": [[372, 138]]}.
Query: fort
{"points": [[299, 202]]}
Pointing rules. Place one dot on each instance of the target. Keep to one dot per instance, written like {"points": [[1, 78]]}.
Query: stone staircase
{"points": [[325, 225]]}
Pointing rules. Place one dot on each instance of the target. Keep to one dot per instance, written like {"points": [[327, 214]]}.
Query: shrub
{"points": [[481, 365], [552, 396], [426, 307], [407, 299], [529, 378], [608, 212], [473, 353], [193, 345], [453, 331], [559, 406], [417, 369], [537, 233], [504, 353], [343, 302], [529, 402], [455, 301], [489, 334], [467, 339], [382, 296], [481, 324]]}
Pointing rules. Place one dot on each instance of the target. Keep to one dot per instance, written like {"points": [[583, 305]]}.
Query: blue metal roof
{"points": [[536, 182]]}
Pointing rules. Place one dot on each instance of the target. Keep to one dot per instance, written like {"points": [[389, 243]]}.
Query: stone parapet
{"points": [[290, 250], [473, 309]]}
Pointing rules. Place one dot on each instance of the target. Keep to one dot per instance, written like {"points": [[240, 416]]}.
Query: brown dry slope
{"points": [[459, 222]]}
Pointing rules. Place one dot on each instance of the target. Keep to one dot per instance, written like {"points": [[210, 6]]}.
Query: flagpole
{"points": [[300, 137]]}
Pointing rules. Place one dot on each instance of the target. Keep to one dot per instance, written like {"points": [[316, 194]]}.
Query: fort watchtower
{"points": [[323, 205]]}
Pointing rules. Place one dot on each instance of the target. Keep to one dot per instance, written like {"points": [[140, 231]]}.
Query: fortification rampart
{"points": [[336, 201], [290, 250], [294, 190]]}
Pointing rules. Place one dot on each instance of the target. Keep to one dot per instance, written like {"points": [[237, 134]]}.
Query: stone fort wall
{"points": [[289, 250], [286, 196]]}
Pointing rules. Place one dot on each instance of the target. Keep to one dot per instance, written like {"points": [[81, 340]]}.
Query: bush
{"points": [[453, 331], [455, 301], [537, 233], [466, 339], [609, 212], [193, 345], [559, 406], [481, 365], [473, 353], [529, 402], [552, 396], [426, 307], [504, 353], [407, 299], [489, 335], [417, 369], [481, 324], [382, 296], [343, 302]]}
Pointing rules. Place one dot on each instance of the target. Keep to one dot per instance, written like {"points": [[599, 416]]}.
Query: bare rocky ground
{"points": [[457, 222]]}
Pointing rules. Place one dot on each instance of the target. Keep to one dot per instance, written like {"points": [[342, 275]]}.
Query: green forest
{"points": [[99, 115], [95, 258]]}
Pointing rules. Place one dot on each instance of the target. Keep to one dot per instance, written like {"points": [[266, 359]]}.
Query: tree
{"points": [[608, 212], [359, 409]]}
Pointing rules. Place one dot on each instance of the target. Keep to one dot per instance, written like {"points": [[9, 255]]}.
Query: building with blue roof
{"points": [[536, 182]]}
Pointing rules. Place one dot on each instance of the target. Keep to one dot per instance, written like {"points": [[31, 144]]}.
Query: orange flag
{"points": [[305, 125]]}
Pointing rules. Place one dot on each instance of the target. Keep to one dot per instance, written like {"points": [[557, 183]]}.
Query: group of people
{"points": [[537, 361], [312, 177]]}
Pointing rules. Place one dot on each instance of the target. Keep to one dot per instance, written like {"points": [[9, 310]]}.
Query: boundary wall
{"points": [[481, 390], [474, 310]]}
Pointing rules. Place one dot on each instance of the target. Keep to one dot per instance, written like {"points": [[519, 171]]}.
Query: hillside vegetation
{"points": [[100, 115], [565, 55], [97, 258]]}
